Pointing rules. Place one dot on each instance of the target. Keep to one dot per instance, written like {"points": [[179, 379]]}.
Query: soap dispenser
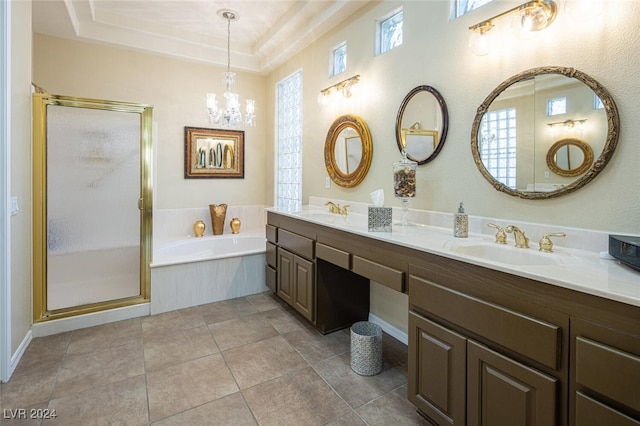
{"points": [[460, 223]]}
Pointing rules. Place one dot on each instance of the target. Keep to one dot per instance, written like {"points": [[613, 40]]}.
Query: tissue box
{"points": [[379, 219]]}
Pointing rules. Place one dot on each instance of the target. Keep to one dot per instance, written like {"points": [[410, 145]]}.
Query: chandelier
{"points": [[229, 116]]}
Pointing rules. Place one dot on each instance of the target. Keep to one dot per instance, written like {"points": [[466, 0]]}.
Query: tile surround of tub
{"points": [[190, 284], [579, 239], [177, 224]]}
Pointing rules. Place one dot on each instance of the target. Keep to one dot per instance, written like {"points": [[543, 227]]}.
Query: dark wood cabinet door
{"points": [[304, 288], [285, 276], [503, 392], [437, 363]]}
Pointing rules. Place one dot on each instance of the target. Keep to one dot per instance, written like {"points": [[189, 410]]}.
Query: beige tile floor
{"points": [[246, 361]]}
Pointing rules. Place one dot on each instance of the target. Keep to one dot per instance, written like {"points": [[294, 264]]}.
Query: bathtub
{"points": [[209, 247], [195, 271]]}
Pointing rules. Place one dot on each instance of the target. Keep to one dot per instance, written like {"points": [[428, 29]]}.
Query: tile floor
{"points": [[245, 361]]}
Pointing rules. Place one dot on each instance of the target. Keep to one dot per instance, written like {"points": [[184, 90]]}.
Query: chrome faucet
{"points": [[522, 241]]}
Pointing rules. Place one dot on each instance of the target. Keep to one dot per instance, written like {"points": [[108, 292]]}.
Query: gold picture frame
{"points": [[213, 153]]}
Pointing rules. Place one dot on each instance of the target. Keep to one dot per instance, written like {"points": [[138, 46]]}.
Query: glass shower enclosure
{"points": [[92, 205]]}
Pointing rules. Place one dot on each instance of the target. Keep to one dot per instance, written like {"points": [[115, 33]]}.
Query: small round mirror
{"points": [[348, 150], [422, 124], [569, 157]]}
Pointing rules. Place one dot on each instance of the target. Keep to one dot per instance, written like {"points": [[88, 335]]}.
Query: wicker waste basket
{"points": [[366, 348]]}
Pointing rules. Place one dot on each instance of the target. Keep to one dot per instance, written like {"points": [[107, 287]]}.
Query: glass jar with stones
{"points": [[404, 183]]}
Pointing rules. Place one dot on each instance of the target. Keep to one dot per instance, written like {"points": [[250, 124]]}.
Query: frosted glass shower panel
{"points": [[93, 220]]}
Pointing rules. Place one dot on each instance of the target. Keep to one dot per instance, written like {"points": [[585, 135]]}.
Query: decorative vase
{"points": [[235, 225], [198, 228], [404, 183], [218, 214]]}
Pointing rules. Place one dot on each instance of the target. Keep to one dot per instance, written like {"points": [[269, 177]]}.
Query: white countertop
{"points": [[570, 268]]}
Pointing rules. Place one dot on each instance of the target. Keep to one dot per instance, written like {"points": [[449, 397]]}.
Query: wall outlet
{"points": [[546, 174], [14, 206], [327, 182]]}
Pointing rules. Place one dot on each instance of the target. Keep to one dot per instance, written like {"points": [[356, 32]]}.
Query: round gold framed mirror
{"points": [[348, 150], [569, 157], [515, 128], [422, 124]]}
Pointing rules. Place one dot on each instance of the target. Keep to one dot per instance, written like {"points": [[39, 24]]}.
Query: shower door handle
{"points": [[140, 203]]}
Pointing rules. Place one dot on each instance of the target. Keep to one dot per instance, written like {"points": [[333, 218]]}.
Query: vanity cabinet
{"points": [[312, 277], [482, 359], [486, 347]]}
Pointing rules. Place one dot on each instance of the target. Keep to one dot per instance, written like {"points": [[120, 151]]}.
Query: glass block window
{"points": [[498, 145], [389, 32], [460, 7], [556, 106], [338, 59], [288, 192], [597, 102]]}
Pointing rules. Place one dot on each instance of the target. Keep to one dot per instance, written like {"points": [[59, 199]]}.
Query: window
{"points": [[460, 7], [288, 159], [556, 106], [597, 102], [389, 32], [338, 59], [498, 145]]}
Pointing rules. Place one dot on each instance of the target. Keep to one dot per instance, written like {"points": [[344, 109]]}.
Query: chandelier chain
{"points": [[229, 16]]}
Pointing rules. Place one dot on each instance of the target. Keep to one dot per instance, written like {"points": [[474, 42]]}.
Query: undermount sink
{"points": [[507, 254]]}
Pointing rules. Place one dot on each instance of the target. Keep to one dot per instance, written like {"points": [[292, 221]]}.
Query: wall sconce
{"points": [[567, 124], [535, 15], [345, 87]]}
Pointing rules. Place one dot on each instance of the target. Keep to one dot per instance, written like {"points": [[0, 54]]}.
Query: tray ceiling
{"points": [[267, 33]]}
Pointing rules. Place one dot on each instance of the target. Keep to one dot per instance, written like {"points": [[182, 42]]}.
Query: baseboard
{"points": [[17, 356], [62, 325], [389, 329]]}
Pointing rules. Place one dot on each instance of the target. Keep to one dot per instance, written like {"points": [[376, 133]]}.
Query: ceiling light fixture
{"points": [[534, 15], [230, 116], [345, 87]]}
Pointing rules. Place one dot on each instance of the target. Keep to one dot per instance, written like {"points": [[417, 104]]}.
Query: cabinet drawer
{"points": [[608, 371], [271, 277], [333, 255], [590, 412], [272, 233], [384, 275], [533, 338], [296, 243], [271, 254]]}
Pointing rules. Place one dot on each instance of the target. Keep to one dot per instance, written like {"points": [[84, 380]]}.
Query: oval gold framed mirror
{"points": [[517, 124], [422, 124], [348, 150], [569, 157]]}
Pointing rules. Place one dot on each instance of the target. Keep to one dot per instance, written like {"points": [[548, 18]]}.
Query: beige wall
{"points": [[435, 53], [20, 171], [176, 90]]}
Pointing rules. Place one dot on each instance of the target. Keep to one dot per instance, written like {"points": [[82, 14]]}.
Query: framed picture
{"points": [[213, 153]]}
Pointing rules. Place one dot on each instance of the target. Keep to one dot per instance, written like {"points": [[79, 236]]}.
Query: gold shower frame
{"points": [[40, 101]]}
